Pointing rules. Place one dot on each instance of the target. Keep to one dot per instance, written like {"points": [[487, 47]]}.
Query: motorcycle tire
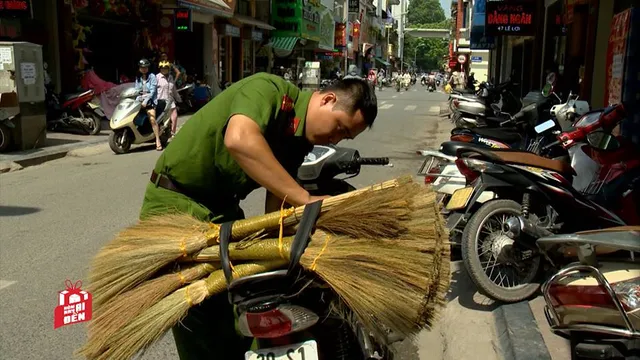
{"points": [[5, 137], [473, 264], [118, 143], [96, 122]]}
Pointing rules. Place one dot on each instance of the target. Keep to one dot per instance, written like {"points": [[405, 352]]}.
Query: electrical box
{"points": [[311, 76], [22, 92]]}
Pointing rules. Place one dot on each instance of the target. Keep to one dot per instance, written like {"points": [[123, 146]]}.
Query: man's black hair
{"points": [[354, 95]]}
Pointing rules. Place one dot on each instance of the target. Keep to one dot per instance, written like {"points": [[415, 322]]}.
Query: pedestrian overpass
{"points": [[428, 33]]}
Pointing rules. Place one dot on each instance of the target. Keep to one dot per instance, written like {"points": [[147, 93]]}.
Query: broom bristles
{"points": [[140, 251], [117, 312]]}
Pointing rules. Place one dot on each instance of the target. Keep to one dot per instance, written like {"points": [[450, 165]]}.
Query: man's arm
{"points": [[273, 203], [250, 149]]}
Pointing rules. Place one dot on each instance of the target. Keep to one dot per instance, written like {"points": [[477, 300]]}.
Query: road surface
{"points": [[54, 217]]}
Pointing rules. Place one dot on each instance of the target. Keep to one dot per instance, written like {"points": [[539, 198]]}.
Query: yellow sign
{"points": [[460, 198]]}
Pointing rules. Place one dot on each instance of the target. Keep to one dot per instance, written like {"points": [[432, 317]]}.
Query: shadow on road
{"points": [[17, 210], [463, 288]]}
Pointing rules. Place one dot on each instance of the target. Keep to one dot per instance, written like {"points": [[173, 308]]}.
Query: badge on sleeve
{"points": [[287, 104], [293, 126]]}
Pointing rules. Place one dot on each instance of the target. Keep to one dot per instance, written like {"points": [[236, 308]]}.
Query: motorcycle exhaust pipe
{"points": [[517, 225]]}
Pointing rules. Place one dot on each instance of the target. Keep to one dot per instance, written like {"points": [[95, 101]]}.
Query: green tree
{"points": [[424, 12]]}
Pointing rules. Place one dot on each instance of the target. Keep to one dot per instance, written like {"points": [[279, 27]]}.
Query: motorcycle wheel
{"points": [[5, 137], [499, 252], [96, 123], [120, 141]]}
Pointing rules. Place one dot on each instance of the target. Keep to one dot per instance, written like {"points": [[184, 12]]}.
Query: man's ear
{"points": [[328, 98]]}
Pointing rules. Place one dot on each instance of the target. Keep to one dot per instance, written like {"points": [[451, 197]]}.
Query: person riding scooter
{"points": [[147, 83], [406, 80]]}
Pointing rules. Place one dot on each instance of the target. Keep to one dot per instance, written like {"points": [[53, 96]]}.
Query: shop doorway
{"points": [[517, 53], [112, 51], [236, 50], [189, 50]]}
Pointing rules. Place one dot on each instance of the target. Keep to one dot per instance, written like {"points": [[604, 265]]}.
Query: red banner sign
{"points": [[616, 53], [510, 18], [340, 35]]}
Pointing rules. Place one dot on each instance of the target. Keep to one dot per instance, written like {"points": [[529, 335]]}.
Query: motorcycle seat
{"points": [[507, 156], [68, 97], [504, 134], [533, 160], [463, 91]]}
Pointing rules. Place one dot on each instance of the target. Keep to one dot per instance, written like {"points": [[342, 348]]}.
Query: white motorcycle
{"points": [[131, 125]]}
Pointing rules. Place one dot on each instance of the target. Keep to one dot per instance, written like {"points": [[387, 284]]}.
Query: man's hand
{"points": [[250, 149]]}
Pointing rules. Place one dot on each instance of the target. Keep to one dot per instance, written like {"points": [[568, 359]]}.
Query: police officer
{"points": [[255, 133]]}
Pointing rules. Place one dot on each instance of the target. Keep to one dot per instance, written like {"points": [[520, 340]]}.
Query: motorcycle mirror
{"points": [[603, 141], [496, 109], [547, 90]]}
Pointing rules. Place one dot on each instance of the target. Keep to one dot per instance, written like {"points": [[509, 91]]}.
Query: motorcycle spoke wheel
{"points": [[496, 264]]}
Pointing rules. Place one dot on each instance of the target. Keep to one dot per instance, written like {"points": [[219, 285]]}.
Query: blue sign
{"points": [[476, 59], [477, 37]]}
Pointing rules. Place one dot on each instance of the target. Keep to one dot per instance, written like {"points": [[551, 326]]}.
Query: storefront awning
{"points": [[382, 62], [284, 43], [248, 20]]}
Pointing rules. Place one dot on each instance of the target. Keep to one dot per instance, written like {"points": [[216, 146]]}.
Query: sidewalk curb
{"points": [[518, 334], [8, 163]]}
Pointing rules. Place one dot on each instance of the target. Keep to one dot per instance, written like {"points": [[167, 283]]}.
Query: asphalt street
{"points": [[54, 217]]}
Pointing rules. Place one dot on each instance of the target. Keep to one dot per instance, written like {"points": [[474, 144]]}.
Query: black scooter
{"points": [[533, 198], [288, 312]]}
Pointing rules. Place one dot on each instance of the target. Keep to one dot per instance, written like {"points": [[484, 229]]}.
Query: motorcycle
{"points": [[76, 111], [289, 313], [593, 302], [6, 126], [534, 198], [130, 123]]}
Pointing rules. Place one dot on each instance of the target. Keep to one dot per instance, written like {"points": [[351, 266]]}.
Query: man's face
{"points": [[324, 125]]}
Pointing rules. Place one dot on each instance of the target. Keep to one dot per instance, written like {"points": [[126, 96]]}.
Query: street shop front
{"points": [[298, 32]]}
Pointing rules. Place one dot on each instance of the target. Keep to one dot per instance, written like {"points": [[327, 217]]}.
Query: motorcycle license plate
{"points": [[460, 198], [307, 350]]}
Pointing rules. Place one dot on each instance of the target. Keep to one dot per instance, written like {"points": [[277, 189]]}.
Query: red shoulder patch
{"points": [[287, 103], [293, 126]]}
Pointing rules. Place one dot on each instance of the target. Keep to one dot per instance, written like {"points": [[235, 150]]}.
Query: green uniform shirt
{"points": [[197, 159]]}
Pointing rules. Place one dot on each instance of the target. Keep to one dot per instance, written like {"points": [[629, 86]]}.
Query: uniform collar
{"points": [[301, 106]]}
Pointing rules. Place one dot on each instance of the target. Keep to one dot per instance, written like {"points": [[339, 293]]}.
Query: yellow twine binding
{"points": [[182, 279], [314, 264], [183, 247]]}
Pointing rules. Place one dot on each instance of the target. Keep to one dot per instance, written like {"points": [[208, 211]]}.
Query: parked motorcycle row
{"points": [[539, 189]]}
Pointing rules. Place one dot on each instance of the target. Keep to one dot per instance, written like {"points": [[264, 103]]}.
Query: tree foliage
{"points": [[424, 12], [427, 53]]}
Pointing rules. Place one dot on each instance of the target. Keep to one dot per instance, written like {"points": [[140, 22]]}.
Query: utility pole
{"points": [[345, 11], [403, 11]]}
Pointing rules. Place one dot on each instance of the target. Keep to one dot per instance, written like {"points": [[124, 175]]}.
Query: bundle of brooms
{"points": [[383, 250]]}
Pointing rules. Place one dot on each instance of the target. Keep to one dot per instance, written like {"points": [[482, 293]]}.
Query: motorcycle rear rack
{"points": [[433, 158], [553, 319]]}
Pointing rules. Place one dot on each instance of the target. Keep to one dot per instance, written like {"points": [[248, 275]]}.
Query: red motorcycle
{"points": [[75, 111], [613, 166]]}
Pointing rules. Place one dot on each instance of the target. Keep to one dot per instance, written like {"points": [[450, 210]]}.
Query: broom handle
{"points": [[247, 227]]}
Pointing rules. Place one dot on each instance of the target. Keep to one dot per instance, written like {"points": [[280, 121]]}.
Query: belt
{"points": [[164, 182]]}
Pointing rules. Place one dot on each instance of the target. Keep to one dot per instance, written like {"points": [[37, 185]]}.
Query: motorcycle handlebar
{"points": [[373, 161]]}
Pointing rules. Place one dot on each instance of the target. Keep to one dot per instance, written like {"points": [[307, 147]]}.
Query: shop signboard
{"points": [[183, 20], [478, 40], [354, 6], [256, 35], [231, 30], [327, 31], [510, 18], [15, 8], [340, 38], [622, 69], [299, 18], [209, 7]]}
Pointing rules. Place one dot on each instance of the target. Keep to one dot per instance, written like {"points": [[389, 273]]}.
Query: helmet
{"points": [[144, 63], [164, 64]]}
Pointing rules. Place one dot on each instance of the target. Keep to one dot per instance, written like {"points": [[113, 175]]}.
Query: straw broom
{"points": [[141, 251], [117, 312], [383, 285], [127, 305]]}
